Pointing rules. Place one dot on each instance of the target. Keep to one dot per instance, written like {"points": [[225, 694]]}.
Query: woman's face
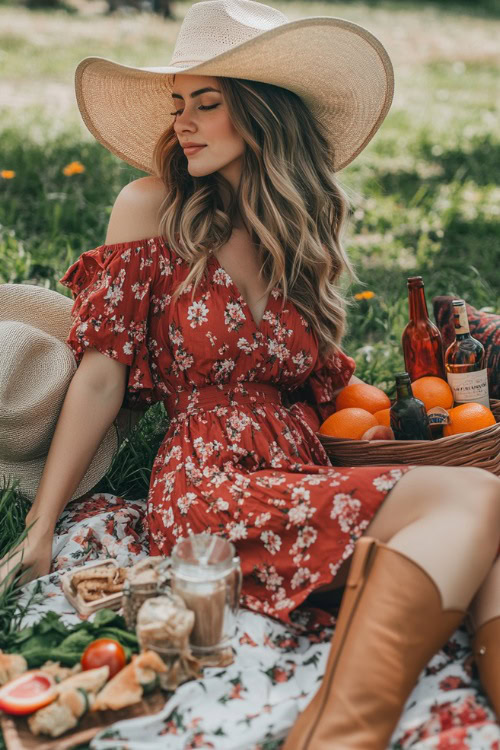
{"points": [[194, 122]]}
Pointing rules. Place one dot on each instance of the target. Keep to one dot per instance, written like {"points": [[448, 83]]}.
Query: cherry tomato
{"points": [[104, 651]]}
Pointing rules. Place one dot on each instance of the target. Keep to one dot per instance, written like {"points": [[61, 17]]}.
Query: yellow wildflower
{"points": [[7, 174], [75, 167], [364, 295]]}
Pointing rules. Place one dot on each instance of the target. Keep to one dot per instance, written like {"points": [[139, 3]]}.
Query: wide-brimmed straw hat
{"points": [[36, 368], [340, 70]]}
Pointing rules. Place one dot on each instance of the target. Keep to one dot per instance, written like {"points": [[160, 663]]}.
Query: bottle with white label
{"points": [[464, 362]]}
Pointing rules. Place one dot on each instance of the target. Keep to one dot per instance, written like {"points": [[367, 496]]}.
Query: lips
{"points": [[192, 149]]}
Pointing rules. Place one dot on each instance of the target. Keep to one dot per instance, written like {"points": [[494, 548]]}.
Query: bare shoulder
{"points": [[135, 214]]}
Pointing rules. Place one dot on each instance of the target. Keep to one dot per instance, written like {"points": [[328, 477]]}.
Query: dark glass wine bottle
{"points": [[409, 420], [422, 342], [464, 361]]}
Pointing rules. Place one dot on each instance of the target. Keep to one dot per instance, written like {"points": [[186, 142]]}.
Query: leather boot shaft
{"points": [[391, 622]]}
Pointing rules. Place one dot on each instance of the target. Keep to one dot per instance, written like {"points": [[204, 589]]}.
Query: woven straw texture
{"points": [[339, 69], [37, 369], [481, 449]]}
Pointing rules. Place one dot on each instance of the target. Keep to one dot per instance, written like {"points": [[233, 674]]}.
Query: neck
{"points": [[238, 222]]}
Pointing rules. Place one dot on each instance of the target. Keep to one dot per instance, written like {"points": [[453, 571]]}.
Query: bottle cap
{"points": [[415, 281]]}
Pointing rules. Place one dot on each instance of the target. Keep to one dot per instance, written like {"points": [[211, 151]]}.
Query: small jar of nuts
{"points": [[141, 584]]}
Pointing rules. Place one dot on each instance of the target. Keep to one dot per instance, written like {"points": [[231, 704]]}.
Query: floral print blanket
{"points": [[252, 704]]}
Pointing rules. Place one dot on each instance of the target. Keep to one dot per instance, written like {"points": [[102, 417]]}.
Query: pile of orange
{"points": [[464, 418], [360, 407], [357, 406]]}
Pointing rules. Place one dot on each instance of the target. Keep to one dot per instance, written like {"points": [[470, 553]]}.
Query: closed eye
{"points": [[180, 111]]}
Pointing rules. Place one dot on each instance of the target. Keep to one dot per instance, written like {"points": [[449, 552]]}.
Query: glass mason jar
{"points": [[205, 572], [133, 596]]}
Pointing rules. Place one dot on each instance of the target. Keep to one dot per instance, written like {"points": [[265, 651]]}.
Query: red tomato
{"points": [[27, 693], [104, 651]]}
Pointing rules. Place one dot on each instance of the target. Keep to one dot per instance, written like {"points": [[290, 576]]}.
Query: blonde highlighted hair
{"points": [[288, 197]]}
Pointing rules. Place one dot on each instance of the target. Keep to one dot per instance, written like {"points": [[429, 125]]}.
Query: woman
{"points": [[235, 323]]}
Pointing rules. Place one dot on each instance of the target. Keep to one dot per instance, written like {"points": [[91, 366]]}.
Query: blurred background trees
{"points": [[164, 7]]}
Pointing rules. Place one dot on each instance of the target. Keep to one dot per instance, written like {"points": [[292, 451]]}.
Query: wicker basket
{"points": [[481, 449]]}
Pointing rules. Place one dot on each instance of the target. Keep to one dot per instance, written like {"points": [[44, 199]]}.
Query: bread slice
{"points": [[126, 687]]}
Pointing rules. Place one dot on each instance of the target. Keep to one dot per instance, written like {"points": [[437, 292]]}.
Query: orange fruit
{"points": [[362, 396], [348, 423], [383, 417], [468, 418], [433, 392]]}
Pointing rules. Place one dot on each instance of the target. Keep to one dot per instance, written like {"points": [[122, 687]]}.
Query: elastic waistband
{"points": [[210, 396]]}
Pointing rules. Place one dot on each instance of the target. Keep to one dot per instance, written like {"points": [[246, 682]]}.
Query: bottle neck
{"points": [[462, 330], [403, 390], [417, 304]]}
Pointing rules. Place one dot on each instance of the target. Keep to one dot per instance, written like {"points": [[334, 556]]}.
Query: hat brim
{"points": [[30, 472], [341, 71], [50, 311]]}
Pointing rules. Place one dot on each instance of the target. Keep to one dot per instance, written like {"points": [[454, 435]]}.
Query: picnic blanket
{"points": [[252, 704]]}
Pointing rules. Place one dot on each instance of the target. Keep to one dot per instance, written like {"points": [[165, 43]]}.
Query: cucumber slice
{"points": [[86, 699], [148, 687]]}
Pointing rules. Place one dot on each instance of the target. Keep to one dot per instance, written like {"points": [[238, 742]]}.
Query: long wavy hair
{"points": [[288, 198]]}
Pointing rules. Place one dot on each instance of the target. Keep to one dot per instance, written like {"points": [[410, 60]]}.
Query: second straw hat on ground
{"points": [[36, 369]]}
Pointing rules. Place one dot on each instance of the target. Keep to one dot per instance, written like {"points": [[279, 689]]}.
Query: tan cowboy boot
{"points": [[391, 622], [486, 650]]}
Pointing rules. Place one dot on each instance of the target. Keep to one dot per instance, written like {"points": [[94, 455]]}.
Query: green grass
{"points": [[425, 192]]}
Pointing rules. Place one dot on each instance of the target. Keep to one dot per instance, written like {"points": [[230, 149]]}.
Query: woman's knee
{"points": [[464, 488], [435, 489], [481, 496]]}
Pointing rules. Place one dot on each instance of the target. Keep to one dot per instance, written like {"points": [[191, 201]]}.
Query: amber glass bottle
{"points": [[409, 420], [422, 342], [464, 361]]}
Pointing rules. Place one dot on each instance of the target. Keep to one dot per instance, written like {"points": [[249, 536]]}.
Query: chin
{"points": [[198, 170]]}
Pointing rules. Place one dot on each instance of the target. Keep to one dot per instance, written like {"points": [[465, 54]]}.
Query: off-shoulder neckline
{"points": [[141, 241]]}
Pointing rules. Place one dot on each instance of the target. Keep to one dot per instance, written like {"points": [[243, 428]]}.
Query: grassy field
{"points": [[425, 193]]}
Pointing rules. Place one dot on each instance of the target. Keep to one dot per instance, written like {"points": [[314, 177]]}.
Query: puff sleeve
{"points": [[111, 287], [318, 392]]}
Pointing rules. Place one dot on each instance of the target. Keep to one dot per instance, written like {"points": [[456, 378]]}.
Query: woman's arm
{"points": [[93, 400], [90, 406]]}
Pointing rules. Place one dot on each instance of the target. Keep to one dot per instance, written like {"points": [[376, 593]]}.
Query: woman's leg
{"points": [[456, 541], [486, 603], [484, 628], [404, 598], [446, 519]]}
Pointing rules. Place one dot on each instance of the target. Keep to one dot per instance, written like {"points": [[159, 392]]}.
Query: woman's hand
{"points": [[33, 554]]}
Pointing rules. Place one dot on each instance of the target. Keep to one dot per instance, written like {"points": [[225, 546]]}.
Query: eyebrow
{"points": [[196, 93]]}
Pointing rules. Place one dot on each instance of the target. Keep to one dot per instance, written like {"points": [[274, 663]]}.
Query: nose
{"points": [[184, 123]]}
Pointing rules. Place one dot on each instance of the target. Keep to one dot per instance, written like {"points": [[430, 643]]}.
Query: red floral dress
{"points": [[241, 456]]}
